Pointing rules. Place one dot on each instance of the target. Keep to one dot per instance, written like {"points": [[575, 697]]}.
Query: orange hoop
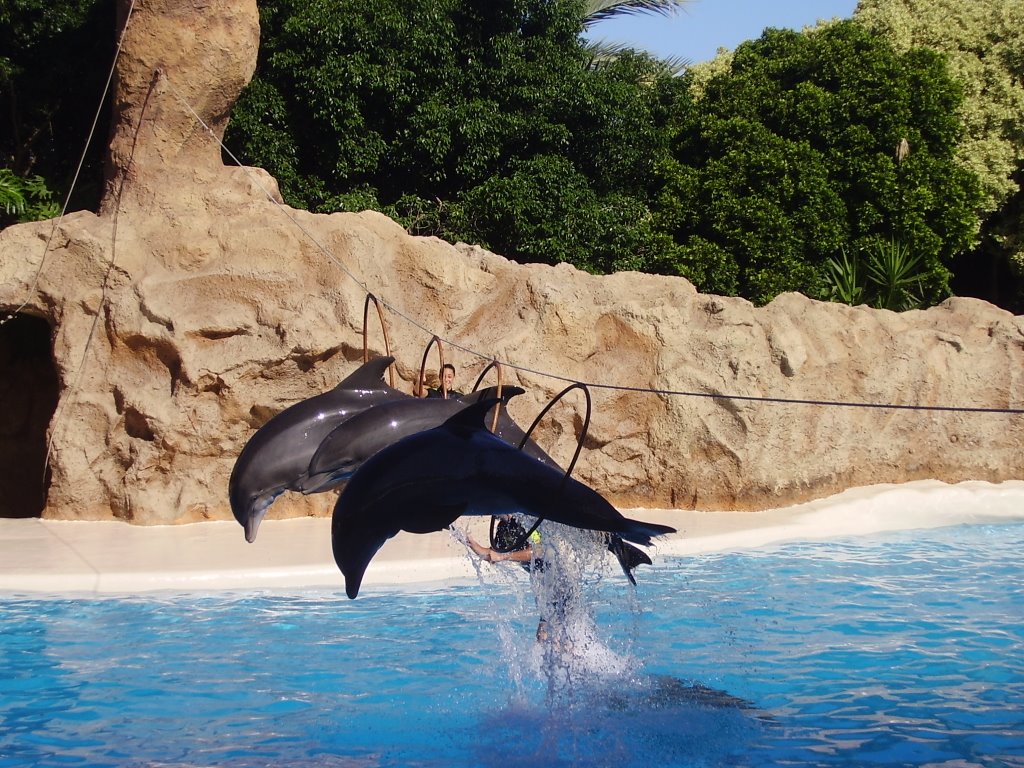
{"points": [[579, 447], [423, 364], [384, 328], [497, 408], [583, 432]]}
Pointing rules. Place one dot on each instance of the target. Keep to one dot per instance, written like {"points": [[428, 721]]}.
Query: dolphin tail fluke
{"points": [[629, 557], [641, 533]]}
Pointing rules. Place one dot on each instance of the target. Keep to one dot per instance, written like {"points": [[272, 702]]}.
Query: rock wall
{"points": [[195, 305]]}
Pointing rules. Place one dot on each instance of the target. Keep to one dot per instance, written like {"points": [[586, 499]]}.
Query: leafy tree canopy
{"points": [[790, 155], [985, 48], [983, 42], [55, 56], [478, 121]]}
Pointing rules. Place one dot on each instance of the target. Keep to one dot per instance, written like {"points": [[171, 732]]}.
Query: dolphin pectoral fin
{"points": [[322, 482], [437, 517]]}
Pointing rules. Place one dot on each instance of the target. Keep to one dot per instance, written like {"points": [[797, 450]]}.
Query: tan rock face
{"points": [[196, 306]]}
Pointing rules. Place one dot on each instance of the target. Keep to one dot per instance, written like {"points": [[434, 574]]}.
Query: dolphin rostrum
{"points": [[424, 482], [277, 455]]}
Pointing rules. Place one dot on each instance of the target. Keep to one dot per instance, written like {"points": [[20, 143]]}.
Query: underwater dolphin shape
{"points": [[278, 453], [355, 440], [424, 482]]}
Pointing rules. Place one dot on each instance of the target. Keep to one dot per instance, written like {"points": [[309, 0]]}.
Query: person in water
{"points": [[446, 389], [512, 544]]}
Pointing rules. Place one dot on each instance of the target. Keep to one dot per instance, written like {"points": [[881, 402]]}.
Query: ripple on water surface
{"points": [[900, 649]]}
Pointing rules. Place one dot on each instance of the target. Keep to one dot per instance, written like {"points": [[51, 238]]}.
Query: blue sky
{"points": [[701, 27]]}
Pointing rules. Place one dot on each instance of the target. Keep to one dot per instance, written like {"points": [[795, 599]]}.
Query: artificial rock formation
{"points": [[195, 305]]}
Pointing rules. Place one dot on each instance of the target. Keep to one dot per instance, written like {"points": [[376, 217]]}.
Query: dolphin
{"points": [[277, 455], [425, 481], [352, 442], [355, 440]]}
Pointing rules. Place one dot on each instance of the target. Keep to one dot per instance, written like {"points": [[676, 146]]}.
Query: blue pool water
{"points": [[894, 649]]}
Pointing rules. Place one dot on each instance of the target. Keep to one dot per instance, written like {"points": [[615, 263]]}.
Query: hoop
{"points": [[497, 408], [423, 364], [384, 328], [521, 543], [583, 432]]}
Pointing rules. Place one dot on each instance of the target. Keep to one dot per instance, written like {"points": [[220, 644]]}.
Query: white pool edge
{"points": [[64, 557]]}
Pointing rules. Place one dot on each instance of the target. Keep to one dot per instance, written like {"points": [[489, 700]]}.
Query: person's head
{"points": [[447, 376]]}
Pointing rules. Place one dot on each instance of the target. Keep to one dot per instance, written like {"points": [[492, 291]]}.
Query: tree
{"points": [[983, 42], [24, 199], [434, 111], [602, 51], [790, 156], [55, 57]]}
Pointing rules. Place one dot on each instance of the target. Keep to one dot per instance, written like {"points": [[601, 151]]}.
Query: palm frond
{"points": [[602, 10], [603, 52], [842, 276]]}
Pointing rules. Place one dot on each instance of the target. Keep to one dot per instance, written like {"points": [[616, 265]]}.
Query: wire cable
{"points": [[594, 385], [74, 180]]}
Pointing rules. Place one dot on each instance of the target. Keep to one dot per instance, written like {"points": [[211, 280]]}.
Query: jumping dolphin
{"points": [[351, 443], [278, 454], [424, 482]]}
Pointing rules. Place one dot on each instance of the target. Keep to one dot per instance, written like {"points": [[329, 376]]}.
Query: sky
{"points": [[697, 30]]}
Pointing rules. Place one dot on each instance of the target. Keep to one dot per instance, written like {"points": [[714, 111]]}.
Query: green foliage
{"points": [[601, 52], [983, 43], [843, 279], [464, 120], [894, 273], [596, 11], [483, 122], [885, 275], [55, 58], [24, 199], [789, 156]]}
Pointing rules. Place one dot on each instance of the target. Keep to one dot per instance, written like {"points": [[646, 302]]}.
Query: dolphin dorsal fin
{"points": [[490, 393], [471, 418], [369, 375]]}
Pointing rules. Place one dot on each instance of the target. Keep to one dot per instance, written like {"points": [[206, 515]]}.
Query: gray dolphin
{"points": [[424, 482], [277, 455], [355, 440], [352, 442]]}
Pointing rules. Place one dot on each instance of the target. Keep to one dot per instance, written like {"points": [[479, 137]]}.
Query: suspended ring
{"points": [[583, 432], [384, 328], [480, 378], [524, 539], [423, 364]]}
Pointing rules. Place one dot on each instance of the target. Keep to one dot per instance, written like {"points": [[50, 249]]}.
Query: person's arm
{"points": [[523, 555]]}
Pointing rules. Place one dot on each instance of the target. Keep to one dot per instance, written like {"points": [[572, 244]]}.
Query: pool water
{"points": [[894, 649]]}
